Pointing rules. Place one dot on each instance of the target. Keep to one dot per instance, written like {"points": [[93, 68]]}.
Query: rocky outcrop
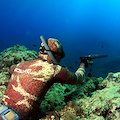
{"points": [[104, 104]]}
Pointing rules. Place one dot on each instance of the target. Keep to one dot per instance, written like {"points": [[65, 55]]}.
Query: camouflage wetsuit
{"points": [[31, 80]]}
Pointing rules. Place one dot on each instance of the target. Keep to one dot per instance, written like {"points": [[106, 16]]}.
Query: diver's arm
{"points": [[65, 76], [80, 73], [12, 69]]}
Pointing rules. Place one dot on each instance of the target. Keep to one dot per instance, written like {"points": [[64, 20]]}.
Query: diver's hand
{"points": [[86, 61]]}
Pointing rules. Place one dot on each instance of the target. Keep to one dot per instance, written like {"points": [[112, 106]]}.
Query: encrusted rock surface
{"points": [[15, 55], [104, 104]]}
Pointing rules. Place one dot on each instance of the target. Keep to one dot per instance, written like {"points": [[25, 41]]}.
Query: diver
{"points": [[30, 80]]}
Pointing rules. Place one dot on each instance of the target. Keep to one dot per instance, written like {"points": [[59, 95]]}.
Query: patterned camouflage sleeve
{"points": [[27, 87], [12, 69], [64, 75]]}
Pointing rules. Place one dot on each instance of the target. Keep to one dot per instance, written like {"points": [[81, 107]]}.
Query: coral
{"points": [[56, 97], [4, 79], [103, 104], [59, 94], [90, 84], [15, 55], [2, 91]]}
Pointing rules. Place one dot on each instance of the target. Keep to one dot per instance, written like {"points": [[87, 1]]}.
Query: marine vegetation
{"points": [[102, 104]]}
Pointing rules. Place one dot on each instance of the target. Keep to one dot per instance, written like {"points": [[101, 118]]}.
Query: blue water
{"points": [[83, 27]]}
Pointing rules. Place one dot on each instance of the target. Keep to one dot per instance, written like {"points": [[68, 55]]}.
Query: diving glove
{"points": [[86, 61]]}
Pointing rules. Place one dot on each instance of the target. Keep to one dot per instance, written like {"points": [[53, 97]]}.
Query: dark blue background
{"points": [[83, 27]]}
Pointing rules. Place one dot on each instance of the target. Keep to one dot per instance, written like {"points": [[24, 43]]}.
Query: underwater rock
{"points": [[59, 94], [56, 97], [15, 55], [104, 104], [4, 79]]}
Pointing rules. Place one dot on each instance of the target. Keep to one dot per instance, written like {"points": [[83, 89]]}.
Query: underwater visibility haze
{"points": [[83, 27]]}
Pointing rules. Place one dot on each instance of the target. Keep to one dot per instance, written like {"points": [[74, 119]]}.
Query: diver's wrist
{"points": [[82, 65]]}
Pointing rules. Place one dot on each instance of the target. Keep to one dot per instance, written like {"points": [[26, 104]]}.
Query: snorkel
{"points": [[48, 50]]}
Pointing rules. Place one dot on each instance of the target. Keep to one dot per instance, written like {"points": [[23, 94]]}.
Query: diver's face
{"points": [[58, 57], [41, 46], [42, 49]]}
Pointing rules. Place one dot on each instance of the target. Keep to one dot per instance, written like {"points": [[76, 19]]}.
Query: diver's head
{"points": [[56, 49]]}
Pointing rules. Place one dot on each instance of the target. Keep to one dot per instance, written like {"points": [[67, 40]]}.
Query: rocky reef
{"points": [[15, 55], [97, 98], [102, 104]]}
